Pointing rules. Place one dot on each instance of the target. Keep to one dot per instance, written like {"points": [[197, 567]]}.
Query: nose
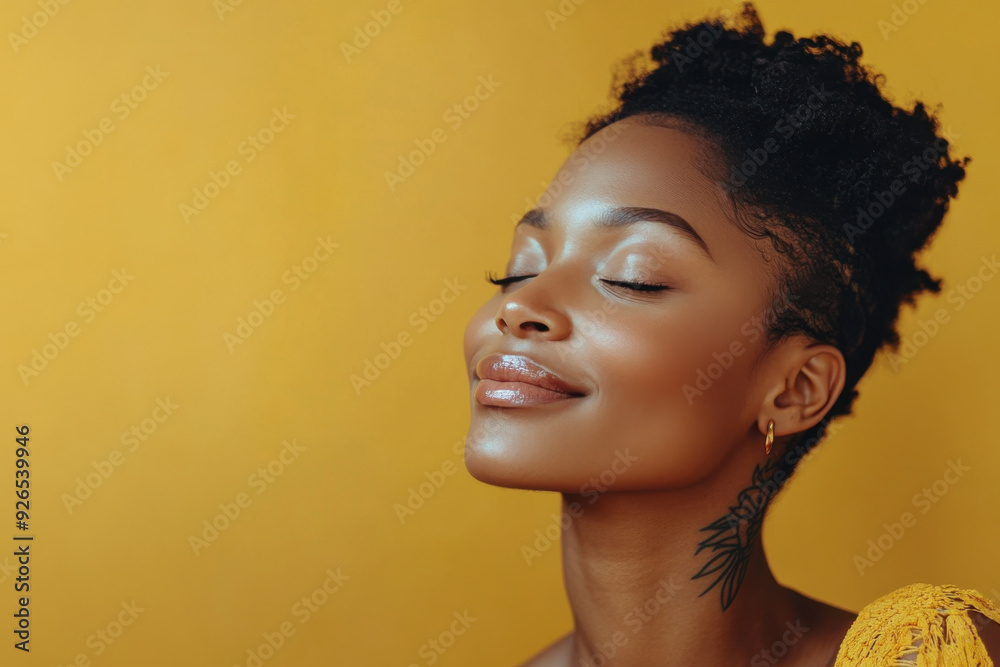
{"points": [[529, 312]]}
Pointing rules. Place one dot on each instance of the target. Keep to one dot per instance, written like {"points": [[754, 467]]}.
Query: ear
{"points": [[813, 377]]}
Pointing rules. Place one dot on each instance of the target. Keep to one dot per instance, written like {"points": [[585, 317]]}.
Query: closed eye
{"points": [[634, 286], [637, 287], [503, 282]]}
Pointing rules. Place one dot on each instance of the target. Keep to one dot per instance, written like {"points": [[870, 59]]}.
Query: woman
{"points": [[695, 298]]}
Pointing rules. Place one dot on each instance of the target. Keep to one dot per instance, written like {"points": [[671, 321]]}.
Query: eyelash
{"points": [[635, 287]]}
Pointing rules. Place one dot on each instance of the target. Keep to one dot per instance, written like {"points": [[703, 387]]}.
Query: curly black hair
{"points": [[847, 186]]}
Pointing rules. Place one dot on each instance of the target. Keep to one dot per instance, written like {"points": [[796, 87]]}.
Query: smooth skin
{"points": [[629, 528], [634, 352]]}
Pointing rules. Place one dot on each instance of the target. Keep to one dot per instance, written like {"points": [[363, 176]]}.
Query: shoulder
{"points": [[941, 623]]}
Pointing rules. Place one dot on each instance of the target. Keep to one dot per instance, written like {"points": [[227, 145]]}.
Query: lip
{"points": [[514, 380]]}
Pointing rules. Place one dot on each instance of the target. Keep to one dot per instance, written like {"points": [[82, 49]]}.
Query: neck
{"points": [[637, 587]]}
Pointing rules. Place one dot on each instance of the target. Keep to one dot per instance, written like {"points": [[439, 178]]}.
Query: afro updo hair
{"points": [[847, 186]]}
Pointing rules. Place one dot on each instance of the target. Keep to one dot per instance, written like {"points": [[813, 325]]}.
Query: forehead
{"points": [[634, 163], [635, 159]]}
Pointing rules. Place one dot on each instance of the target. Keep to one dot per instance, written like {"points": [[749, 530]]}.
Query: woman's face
{"points": [[662, 384]]}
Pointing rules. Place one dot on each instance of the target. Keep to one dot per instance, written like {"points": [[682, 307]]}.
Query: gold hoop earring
{"points": [[769, 438]]}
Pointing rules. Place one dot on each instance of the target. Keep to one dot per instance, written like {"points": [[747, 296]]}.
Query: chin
{"points": [[491, 468], [495, 464]]}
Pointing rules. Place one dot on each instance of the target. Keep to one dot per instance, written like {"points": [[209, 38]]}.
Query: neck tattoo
{"points": [[733, 534]]}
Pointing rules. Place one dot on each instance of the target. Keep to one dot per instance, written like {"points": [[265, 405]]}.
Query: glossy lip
{"points": [[512, 380]]}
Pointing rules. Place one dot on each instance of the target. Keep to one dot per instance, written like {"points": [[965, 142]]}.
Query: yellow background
{"points": [[323, 176]]}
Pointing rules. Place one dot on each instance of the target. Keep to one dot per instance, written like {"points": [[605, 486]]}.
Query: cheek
{"points": [[653, 399], [658, 419]]}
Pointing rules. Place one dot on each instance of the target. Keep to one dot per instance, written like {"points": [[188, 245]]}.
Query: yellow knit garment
{"points": [[919, 625]]}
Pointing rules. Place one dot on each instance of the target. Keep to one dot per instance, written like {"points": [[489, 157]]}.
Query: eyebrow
{"points": [[622, 216]]}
